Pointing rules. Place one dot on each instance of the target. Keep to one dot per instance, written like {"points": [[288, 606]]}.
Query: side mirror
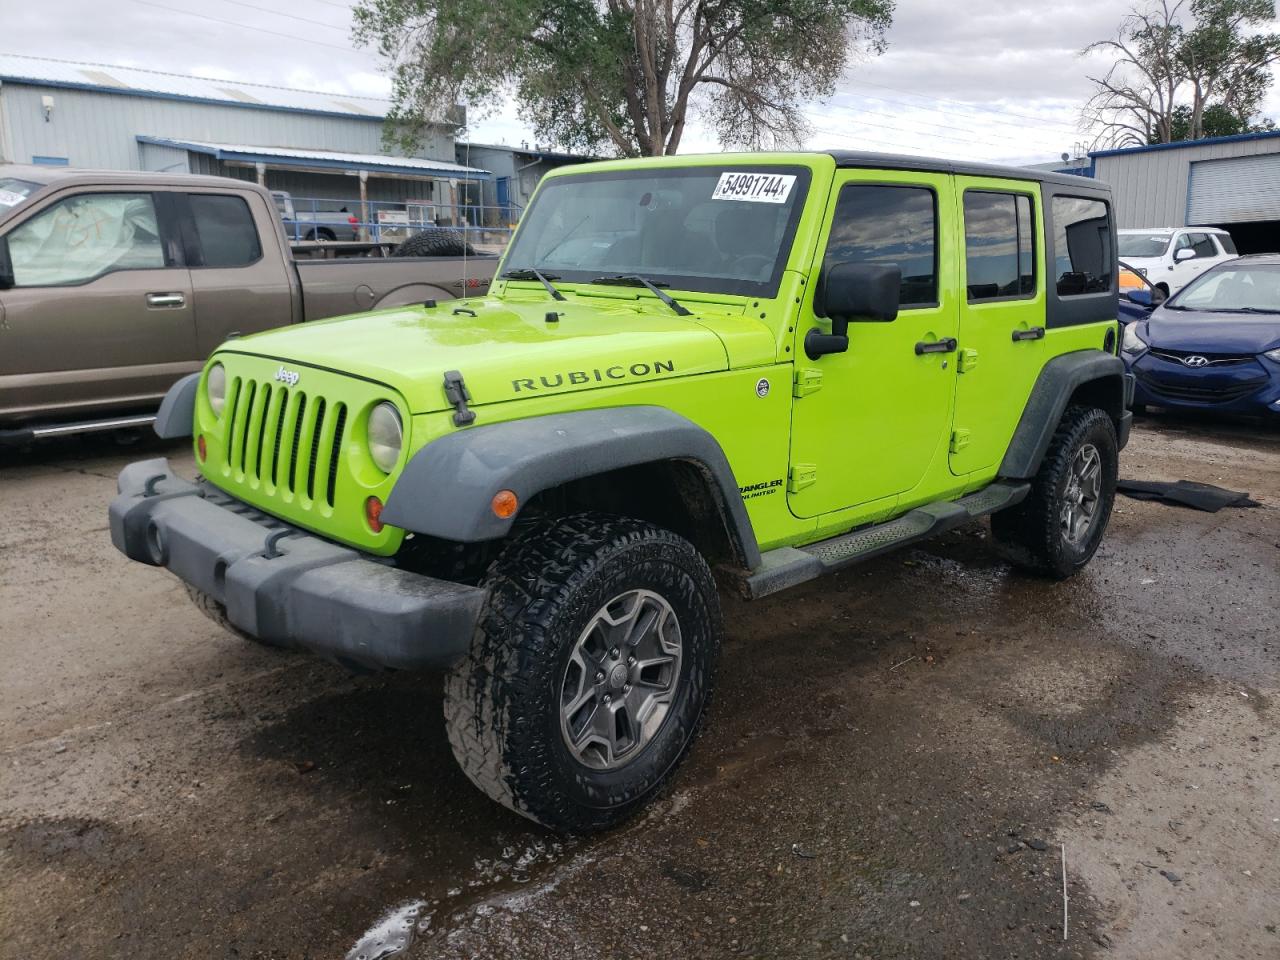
{"points": [[852, 293], [6, 266], [1143, 298], [1186, 253]]}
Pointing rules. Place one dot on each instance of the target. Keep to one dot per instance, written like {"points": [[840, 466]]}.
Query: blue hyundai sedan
{"points": [[1215, 345]]}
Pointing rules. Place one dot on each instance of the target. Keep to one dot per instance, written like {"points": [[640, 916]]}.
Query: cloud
{"points": [[1000, 82]]}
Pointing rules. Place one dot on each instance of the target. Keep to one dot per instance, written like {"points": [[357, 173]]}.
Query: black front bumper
{"points": [[285, 586]]}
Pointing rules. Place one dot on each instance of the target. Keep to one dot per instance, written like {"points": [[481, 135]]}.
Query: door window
{"points": [[1228, 245], [228, 235], [85, 236], [889, 225], [1083, 258], [999, 246]]}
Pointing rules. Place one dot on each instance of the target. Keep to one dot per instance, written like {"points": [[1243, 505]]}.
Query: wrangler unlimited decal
{"points": [[596, 375], [762, 489]]}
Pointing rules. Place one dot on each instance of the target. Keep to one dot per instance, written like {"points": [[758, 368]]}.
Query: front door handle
{"points": [[945, 345], [166, 300], [1031, 333]]}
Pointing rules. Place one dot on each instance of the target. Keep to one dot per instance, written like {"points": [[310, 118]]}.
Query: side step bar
{"points": [[788, 566], [42, 431]]}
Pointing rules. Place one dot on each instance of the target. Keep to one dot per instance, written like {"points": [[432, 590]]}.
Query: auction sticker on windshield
{"points": [[755, 187]]}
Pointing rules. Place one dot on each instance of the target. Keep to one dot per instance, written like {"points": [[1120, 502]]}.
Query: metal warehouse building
{"points": [[312, 144], [1229, 182]]}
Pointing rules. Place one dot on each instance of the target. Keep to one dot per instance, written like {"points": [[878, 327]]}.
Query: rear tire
{"points": [[1057, 529], [590, 671]]}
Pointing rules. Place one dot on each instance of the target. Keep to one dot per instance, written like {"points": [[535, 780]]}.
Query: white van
{"points": [[1171, 257]]}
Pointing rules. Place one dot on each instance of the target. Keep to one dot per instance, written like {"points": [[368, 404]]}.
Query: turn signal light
{"points": [[504, 504], [202, 449], [373, 514]]}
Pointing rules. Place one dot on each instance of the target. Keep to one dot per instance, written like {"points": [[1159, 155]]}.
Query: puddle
{"points": [[391, 936]]}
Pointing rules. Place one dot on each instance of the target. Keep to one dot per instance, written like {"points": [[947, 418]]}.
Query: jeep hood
{"points": [[507, 350]]}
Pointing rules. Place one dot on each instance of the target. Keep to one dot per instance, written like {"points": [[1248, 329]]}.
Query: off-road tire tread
{"points": [[434, 242], [527, 585], [216, 612], [1027, 535]]}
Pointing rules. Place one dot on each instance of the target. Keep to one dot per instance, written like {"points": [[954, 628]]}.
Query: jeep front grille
{"points": [[280, 440]]}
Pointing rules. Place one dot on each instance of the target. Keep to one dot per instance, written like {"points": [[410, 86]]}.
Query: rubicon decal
{"points": [[619, 371], [762, 489]]}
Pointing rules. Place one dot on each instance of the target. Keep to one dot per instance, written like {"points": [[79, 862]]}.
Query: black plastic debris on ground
{"points": [[1185, 493]]}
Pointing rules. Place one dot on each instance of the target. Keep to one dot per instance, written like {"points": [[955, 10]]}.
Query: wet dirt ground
{"points": [[895, 763]]}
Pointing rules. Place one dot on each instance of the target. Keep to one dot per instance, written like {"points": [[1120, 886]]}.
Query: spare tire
{"points": [[435, 242]]}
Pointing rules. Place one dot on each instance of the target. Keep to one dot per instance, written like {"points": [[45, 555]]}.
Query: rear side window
{"points": [[228, 237], [1082, 254], [1228, 245], [999, 246], [889, 225]]}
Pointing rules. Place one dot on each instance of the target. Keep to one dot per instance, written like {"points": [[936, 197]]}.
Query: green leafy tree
{"points": [[624, 75], [1183, 70]]}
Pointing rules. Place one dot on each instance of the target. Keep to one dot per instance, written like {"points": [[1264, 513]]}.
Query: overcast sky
{"points": [[960, 78]]}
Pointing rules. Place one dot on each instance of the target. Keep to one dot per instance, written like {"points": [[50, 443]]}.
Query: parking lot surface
{"points": [[896, 761]]}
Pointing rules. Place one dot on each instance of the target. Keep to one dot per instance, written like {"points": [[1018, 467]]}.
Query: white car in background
{"points": [[1171, 257]]}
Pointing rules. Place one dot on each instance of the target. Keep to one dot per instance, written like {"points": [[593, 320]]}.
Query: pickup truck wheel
{"points": [[1057, 529], [590, 671], [216, 612]]}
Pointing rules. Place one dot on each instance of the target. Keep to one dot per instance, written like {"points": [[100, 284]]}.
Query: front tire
{"points": [[1057, 529], [590, 672]]}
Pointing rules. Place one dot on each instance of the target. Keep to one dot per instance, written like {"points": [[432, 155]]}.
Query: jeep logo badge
{"points": [[287, 376]]}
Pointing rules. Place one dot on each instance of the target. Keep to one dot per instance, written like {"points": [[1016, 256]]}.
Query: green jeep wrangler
{"points": [[771, 364]]}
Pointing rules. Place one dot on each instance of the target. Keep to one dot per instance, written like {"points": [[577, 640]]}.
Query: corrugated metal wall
{"points": [[1150, 186], [97, 129]]}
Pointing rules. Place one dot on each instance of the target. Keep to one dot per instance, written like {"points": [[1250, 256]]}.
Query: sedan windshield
{"points": [[1238, 288], [1142, 245], [709, 229], [14, 191]]}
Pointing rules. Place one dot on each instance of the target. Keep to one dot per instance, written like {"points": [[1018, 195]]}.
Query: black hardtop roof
{"points": [[895, 161]]}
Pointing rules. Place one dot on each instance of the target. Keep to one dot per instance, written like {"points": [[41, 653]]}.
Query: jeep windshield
{"points": [[714, 229]]}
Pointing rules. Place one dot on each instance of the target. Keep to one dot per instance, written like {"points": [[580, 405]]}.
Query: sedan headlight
{"points": [[386, 436], [1131, 342], [215, 387], [1273, 354]]}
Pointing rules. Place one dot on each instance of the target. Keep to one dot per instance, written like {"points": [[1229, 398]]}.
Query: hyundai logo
{"points": [[1195, 360]]}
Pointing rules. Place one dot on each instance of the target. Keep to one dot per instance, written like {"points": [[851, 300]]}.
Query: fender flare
{"points": [[446, 488], [1058, 381], [176, 418]]}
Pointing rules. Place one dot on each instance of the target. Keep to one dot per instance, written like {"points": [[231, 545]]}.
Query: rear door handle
{"points": [[166, 300], [945, 345], [1031, 333]]}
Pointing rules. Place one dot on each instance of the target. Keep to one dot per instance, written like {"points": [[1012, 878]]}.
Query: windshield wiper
{"points": [[529, 273], [1257, 310], [635, 280]]}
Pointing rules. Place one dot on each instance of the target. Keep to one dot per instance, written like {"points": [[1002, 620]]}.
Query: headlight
{"points": [[386, 436], [1131, 342], [1273, 354], [215, 386]]}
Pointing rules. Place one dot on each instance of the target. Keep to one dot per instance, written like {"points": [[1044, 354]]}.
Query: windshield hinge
{"points": [[802, 475], [456, 392], [808, 380]]}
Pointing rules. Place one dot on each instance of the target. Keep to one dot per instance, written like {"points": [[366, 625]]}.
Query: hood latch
{"points": [[456, 392]]}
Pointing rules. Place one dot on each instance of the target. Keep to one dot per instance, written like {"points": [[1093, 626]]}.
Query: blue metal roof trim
{"points": [[1183, 144], [156, 95], [318, 163]]}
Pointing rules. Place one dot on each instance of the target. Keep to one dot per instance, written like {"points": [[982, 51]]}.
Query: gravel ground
{"points": [[897, 760]]}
